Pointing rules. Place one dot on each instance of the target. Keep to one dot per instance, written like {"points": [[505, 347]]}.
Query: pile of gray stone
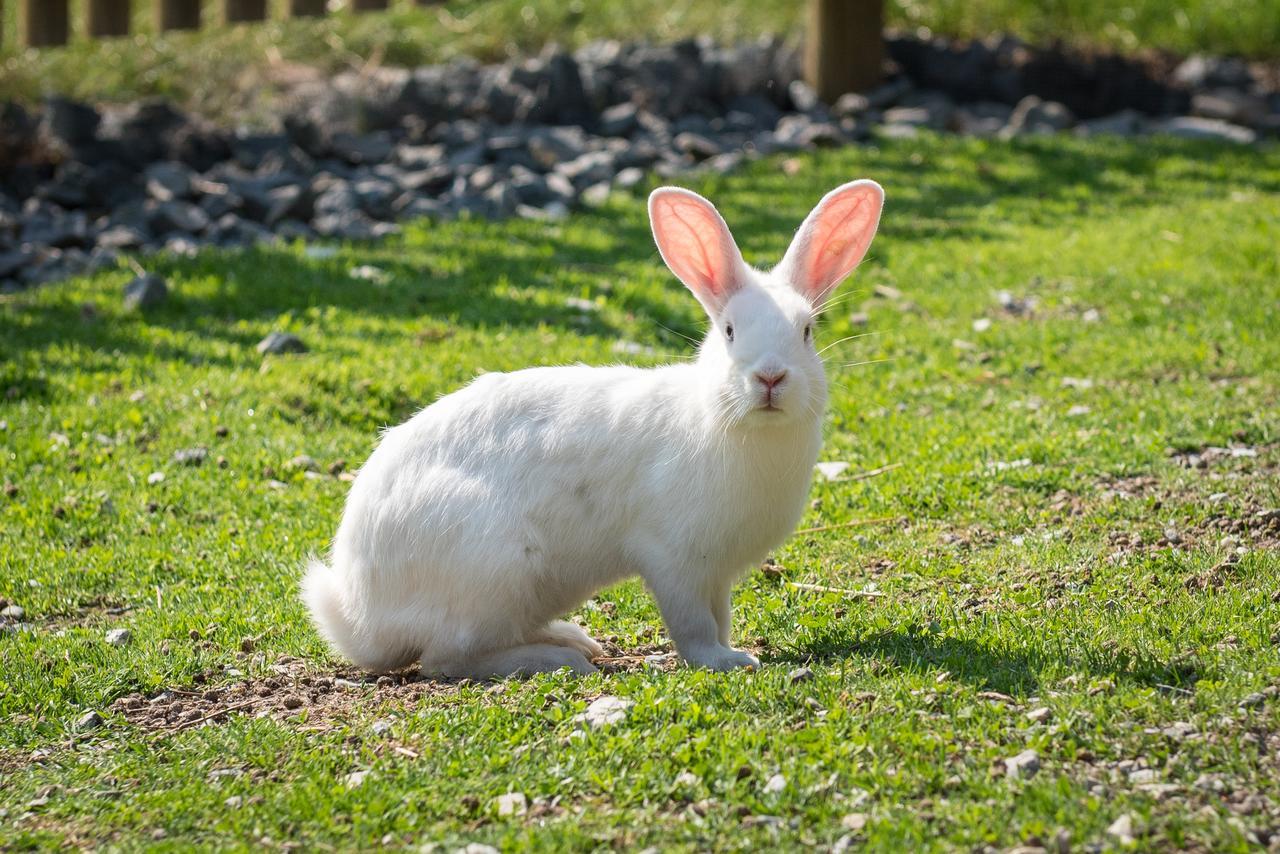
{"points": [[354, 155]]}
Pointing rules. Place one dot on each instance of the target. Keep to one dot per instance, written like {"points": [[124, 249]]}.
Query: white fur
{"points": [[508, 503]]}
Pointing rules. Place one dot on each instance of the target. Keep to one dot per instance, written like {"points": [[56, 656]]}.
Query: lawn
{"points": [[215, 71], [1053, 559]]}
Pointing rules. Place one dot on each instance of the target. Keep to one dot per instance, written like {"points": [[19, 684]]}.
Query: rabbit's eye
{"points": [[728, 331], [808, 330]]}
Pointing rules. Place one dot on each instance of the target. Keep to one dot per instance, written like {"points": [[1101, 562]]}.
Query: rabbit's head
{"points": [[759, 352]]}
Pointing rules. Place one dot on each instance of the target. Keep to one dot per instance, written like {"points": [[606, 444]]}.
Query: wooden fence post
{"points": [[844, 46], [108, 18], [46, 22], [245, 10], [306, 8], [177, 15], [367, 5]]}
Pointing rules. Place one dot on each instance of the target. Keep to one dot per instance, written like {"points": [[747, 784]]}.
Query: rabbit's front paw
{"points": [[722, 658]]}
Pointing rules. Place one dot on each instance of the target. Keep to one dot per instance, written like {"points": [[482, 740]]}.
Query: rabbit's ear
{"points": [[697, 245], [833, 239]]}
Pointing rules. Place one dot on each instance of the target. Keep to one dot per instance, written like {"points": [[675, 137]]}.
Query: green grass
{"points": [[1157, 275], [228, 71]]}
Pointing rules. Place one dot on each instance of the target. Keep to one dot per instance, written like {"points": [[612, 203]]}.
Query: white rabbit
{"points": [[502, 506]]}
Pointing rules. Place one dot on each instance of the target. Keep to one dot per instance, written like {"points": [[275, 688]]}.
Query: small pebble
{"points": [[89, 721], [119, 637], [800, 674]]}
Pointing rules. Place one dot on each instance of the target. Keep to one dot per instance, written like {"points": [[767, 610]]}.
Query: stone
{"points": [[511, 804], [1024, 766], [696, 145], [70, 123], [1040, 715], [1199, 72], [1121, 830], [888, 94], [191, 456], [13, 261], [119, 637], [179, 216], [144, 292], [120, 237], [1123, 123], [1230, 105], [167, 181], [1035, 116], [281, 342], [13, 612], [619, 120], [850, 105], [604, 711], [1195, 127], [802, 96], [89, 721], [800, 674]]}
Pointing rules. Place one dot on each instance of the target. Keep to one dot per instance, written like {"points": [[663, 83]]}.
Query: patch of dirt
{"points": [[326, 698], [295, 688]]}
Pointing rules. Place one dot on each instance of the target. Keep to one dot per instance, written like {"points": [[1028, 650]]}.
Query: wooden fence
{"points": [[844, 47], [47, 23]]}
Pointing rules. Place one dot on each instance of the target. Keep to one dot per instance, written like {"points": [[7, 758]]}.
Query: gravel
{"points": [[537, 137]]}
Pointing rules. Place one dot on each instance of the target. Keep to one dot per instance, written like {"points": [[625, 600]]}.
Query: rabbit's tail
{"points": [[325, 596]]}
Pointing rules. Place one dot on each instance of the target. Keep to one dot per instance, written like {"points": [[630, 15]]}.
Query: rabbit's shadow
{"points": [[1009, 669]]}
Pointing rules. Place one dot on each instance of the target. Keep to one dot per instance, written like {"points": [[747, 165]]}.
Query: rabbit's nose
{"points": [[769, 380]]}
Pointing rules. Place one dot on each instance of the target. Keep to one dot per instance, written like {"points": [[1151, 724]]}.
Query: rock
{"points": [[70, 123], [117, 237], [1121, 830], [802, 96], [291, 701], [355, 779], [1144, 776], [604, 711], [90, 720], [168, 180], [1040, 715], [854, 821], [281, 342], [619, 120], [1024, 766], [800, 674], [775, 784], [1194, 127], [119, 637], [381, 728], [179, 216], [1253, 701], [1034, 116], [830, 470], [144, 292], [1123, 123], [13, 612], [1200, 72], [191, 456], [511, 804], [1230, 105], [14, 261], [888, 94], [303, 462], [850, 105], [696, 145]]}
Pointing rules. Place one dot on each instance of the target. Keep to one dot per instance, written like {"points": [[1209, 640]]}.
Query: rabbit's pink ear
{"points": [[833, 239], [697, 245]]}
